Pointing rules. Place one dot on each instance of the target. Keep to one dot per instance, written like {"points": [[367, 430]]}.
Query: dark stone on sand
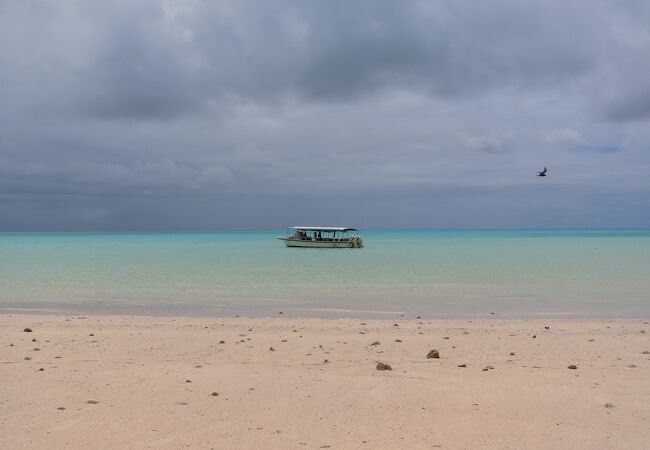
{"points": [[60, 408], [383, 366], [27, 330], [325, 361], [280, 312], [446, 337], [547, 328], [572, 366], [462, 365], [188, 381], [433, 354], [645, 352], [631, 366], [27, 358], [92, 402], [271, 349], [642, 331], [222, 342], [418, 317], [609, 405], [91, 334], [512, 353], [214, 394], [485, 369], [41, 370], [34, 340], [36, 349], [534, 336], [375, 343], [395, 325], [398, 340]]}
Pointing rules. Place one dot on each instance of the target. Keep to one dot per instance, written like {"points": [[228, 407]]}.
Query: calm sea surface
{"points": [[531, 273]]}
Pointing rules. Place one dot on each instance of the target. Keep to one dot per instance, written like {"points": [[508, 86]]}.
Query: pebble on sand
{"points": [[271, 349], [61, 408], [41, 370], [214, 394], [27, 358], [398, 340], [435, 354], [462, 365], [222, 342], [512, 353], [383, 366], [92, 402], [609, 405], [572, 366], [27, 330], [645, 352], [375, 343]]}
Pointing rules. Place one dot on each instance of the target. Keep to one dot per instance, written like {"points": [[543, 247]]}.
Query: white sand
{"points": [[136, 369]]}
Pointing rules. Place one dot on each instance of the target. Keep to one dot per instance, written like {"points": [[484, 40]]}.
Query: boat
{"points": [[322, 237]]}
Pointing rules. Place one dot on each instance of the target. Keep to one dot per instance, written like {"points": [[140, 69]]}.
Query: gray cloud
{"points": [[116, 115]]}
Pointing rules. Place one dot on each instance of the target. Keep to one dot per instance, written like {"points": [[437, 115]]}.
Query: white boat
{"points": [[322, 237]]}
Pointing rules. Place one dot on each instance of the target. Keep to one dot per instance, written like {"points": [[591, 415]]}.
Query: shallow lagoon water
{"points": [[433, 273]]}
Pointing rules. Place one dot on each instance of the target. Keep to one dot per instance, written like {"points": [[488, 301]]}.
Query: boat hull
{"points": [[316, 244]]}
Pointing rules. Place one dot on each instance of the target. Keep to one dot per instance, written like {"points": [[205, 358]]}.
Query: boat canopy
{"points": [[324, 228]]}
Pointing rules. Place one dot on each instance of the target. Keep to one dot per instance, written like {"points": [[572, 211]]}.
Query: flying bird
{"points": [[542, 173]]}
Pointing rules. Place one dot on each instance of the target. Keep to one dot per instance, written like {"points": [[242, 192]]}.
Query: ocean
{"points": [[428, 273]]}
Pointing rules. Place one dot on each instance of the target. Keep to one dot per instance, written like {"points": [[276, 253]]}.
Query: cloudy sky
{"points": [[210, 115]]}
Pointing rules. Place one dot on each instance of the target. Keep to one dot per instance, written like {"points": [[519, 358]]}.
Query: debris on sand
{"points": [[462, 365], [376, 343], [572, 366], [398, 340], [92, 402], [433, 354], [271, 349], [214, 394], [383, 366], [27, 330], [609, 405]]}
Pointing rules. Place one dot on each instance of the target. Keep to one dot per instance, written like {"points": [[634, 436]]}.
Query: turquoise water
{"points": [[524, 273]]}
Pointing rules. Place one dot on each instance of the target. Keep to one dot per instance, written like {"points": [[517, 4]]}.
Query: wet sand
{"points": [[313, 383]]}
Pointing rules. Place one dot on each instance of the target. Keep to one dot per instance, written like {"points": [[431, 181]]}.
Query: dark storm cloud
{"points": [[225, 114]]}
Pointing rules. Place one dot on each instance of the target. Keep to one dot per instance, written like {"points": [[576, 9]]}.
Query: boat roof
{"points": [[324, 228]]}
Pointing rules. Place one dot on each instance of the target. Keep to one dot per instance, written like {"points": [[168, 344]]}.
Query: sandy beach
{"points": [[151, 382]]}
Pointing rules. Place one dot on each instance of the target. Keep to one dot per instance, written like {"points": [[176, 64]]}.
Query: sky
{"points": [[257, 114]]}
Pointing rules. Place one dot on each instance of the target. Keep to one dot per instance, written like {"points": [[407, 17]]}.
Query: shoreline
{"points": [[283, 382]]}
